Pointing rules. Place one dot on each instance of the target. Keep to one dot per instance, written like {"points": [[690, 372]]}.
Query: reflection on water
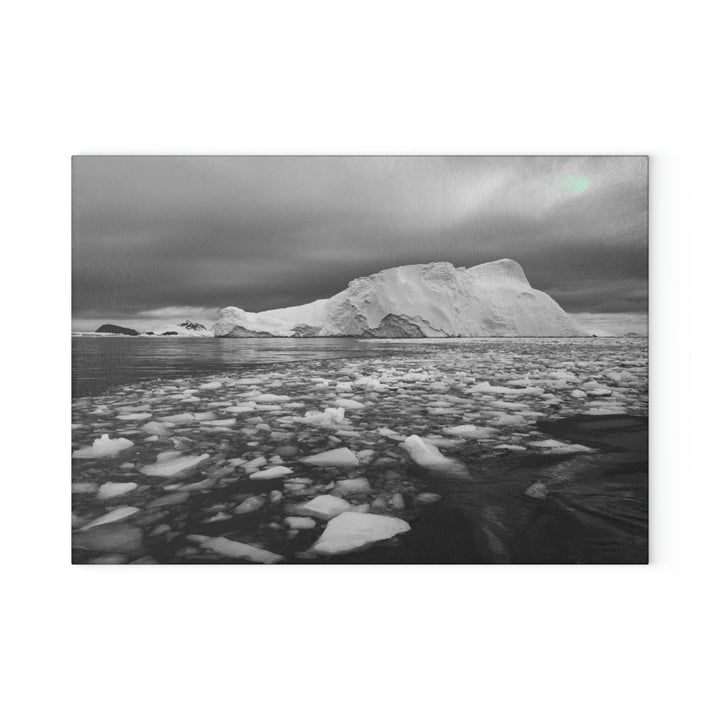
{"points": [[100, 363]]}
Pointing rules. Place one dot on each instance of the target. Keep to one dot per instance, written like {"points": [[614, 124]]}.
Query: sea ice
{"points": [[353, 485], [238, 550], [324, 507], [250, 504], [104, 447], [214, 385], [115, 489], [352, 531], [425, 454], [271, 473], [113, 516], [471, 431], [173, 466], [329, 416], [340, 457], [300, 523], [349, 404], [135, 416]]}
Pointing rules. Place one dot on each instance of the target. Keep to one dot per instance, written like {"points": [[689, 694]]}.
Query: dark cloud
{"points": [[258, 232]]}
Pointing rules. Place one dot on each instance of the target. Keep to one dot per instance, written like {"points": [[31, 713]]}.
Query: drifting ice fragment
{"points": [[352, 531], [471, 431], [329, 416], [112, 516], [241, 551], [271, 473], [104, 447], [324, 507], [425, 454], [173, 466], [349, 404], [115, 489], [340, 457]]}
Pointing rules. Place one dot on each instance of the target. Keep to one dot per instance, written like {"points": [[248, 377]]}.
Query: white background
{"points": [[367, 77]]}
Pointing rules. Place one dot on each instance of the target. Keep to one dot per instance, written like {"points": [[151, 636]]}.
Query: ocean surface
{"points": [[565, 417]]}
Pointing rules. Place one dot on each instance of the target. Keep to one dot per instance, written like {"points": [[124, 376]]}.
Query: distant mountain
{"points": [[184, 329], [433, 300], [117, 330]]}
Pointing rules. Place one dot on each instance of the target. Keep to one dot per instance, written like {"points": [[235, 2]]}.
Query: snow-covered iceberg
{"points": [[433, 300]]}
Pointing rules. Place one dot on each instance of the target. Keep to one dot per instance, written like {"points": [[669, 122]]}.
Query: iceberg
{"points": [[431, 300]]}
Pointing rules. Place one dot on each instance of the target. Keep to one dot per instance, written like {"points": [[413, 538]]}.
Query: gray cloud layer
{"points": [[264, 232]]}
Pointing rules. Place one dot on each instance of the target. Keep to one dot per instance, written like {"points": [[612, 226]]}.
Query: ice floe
{"points": [[104, 447], [340, 457], [166, 466], [351, 531]]}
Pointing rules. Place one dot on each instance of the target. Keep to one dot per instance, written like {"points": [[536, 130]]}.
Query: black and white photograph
{"points": [[360, 359]]}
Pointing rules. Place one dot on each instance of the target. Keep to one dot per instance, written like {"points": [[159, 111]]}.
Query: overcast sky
{"points": [[177, 237]]}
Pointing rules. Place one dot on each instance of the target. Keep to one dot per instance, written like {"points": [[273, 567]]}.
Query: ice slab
{"points": [[271, 473], [340, 457], [353, 531], [167, 467], [241, 551], [104, 447], [113, 516], [115, 489], [324, 507]]}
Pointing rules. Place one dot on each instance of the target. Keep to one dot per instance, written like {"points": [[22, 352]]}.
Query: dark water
{"points": [[102, 363]]}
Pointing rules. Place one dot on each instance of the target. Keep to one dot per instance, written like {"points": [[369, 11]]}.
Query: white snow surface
{"points": [[432, 300]]}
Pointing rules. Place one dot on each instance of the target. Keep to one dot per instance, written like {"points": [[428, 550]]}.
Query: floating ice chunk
{"points": [[427, 498], [340, 457], [270, 398], [300, 523], [135, 416], [113, 516], [505, 446], [168, 455], [155, 428], [578, 394], [370, 384], [250, 504], [388, 433], [365, 455], [425, 454], [324, 507], [537, 491], [115, 489], [213, 385], [352, 531], [329, 416], [173, 466], [271, 473], [349, 404], [471, 431], [238, 550], [104, 447], [181, 418], [242, 408], [227, 422], [111, 537], [352, 486], [559, 448]]}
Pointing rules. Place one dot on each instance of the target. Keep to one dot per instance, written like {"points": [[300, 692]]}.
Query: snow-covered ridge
{"points": [[432, 300]]}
